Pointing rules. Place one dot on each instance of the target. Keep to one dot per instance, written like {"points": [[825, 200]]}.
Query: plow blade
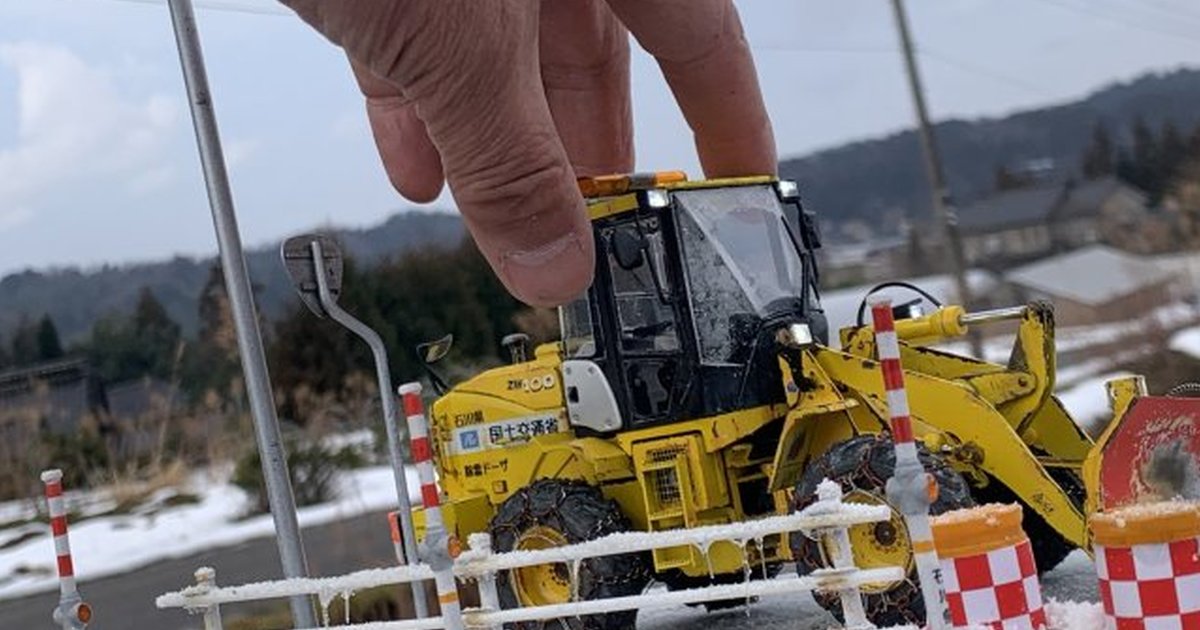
{"points": [[1151, 452]]}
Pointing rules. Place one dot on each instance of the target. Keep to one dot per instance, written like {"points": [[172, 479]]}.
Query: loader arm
{"points": [[969, 429], [1021, 391]]}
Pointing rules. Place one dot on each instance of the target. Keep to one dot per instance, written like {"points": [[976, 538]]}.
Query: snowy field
{"points": [[110, 545]]}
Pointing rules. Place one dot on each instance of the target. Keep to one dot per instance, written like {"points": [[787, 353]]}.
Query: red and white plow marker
{"points": [[911, 488], [439, 548], [72, 612]]}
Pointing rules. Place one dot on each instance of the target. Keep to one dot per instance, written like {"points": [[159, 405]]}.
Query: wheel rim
{"points": [[545, 583], [876, 545]]}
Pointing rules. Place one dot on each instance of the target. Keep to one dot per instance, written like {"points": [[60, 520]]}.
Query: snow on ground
{"points": [[1187, 341], [109, 545], [1087, 402]]}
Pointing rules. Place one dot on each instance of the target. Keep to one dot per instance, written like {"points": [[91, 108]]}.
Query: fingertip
{"points": [[409, 157], [540, 244], [422, 189], [551, 274]]}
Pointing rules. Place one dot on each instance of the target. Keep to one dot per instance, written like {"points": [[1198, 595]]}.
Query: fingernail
{"points": [[550, 274]]}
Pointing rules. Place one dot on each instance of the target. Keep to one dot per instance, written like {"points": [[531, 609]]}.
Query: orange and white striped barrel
{"points": [[1148, 562], [989, 570], [422, 454]]}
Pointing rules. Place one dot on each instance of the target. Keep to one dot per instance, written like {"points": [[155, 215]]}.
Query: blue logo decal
{"points": [[469, 440]]}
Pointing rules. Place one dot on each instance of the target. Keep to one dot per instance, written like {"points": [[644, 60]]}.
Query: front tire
{"points": [[862, 466], [552, 513]]}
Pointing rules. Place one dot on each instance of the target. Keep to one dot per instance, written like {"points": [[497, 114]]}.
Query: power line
{"points": [[976, 69], [216, 5], [1166, 9], [922, 50], [1091, 11]]}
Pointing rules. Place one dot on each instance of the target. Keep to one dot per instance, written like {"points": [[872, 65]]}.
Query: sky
{"points": [[98, 163]]}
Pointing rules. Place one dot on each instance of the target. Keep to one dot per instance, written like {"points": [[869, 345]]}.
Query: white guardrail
{"points": [[829, 517]]}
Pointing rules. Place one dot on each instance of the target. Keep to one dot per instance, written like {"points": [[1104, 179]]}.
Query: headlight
{"points": [[797, 336], [657, 198], [788, 190]]}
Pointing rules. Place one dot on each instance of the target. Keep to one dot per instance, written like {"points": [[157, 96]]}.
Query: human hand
{"points": [[510, 100]]}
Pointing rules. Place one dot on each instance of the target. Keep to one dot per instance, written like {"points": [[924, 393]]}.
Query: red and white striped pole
{"points": [[439, 548], [911, 488], [72, 612]]}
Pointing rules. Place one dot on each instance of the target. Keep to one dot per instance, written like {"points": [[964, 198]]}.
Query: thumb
{"points": [[471, 69]]}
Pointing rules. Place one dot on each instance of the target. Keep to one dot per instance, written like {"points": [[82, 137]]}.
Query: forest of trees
{"points": [[415, 298], [1153, 160]]}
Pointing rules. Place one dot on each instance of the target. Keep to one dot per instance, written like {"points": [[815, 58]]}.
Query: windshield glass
{"points": [[739, 259]]}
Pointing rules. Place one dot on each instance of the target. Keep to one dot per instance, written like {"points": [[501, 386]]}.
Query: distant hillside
{"points": [[880, 180], [876, 181], [75, 299]]}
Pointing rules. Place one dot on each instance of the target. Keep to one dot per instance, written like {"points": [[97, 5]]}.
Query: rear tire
{"points": [[862, 466], [554, 512]]}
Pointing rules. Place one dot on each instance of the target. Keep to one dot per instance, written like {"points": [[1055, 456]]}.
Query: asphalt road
{"points": [[126, 602]]}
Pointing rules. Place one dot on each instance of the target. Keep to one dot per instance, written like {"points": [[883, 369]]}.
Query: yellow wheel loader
{"points": [[695, 384]]}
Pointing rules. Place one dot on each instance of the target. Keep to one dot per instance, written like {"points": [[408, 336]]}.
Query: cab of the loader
{"points": [[693, 280]]}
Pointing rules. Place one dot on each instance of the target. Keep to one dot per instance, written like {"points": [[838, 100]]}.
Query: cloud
{"points": [[12, 217], [238, 151], [73, 124]]}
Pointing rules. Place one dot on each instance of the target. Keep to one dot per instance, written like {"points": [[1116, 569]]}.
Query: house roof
{"points": [[1092, 275], [1023, 205], [1086, 197], [1041, 203]]}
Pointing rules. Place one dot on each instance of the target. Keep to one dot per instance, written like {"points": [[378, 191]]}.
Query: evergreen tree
{"points": [[1173, 152], [211, 361], [157, 332], [25, 349], [1099, 157], [140, 345], [5, 359], [1141, 164], [48, 343]]}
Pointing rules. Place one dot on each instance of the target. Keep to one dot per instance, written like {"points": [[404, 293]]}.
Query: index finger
{"points": [[704, 56]]}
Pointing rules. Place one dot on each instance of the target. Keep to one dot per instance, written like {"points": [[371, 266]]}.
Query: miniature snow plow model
{"points": [[695, 384]]}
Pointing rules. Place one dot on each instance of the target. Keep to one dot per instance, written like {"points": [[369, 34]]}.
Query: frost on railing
{"points": [[829, 518]]}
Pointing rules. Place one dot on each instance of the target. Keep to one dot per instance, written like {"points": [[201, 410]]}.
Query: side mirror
{"points": [[297, 255], [431, 352], [628, 248]]}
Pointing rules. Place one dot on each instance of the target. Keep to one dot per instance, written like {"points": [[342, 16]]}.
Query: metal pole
{"points": [[943, 203], [241, 300], [384, 375], [206, 580]]}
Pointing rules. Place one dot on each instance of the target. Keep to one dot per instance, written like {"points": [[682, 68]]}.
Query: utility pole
{"points": [[943, 204], [241, 300]]}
